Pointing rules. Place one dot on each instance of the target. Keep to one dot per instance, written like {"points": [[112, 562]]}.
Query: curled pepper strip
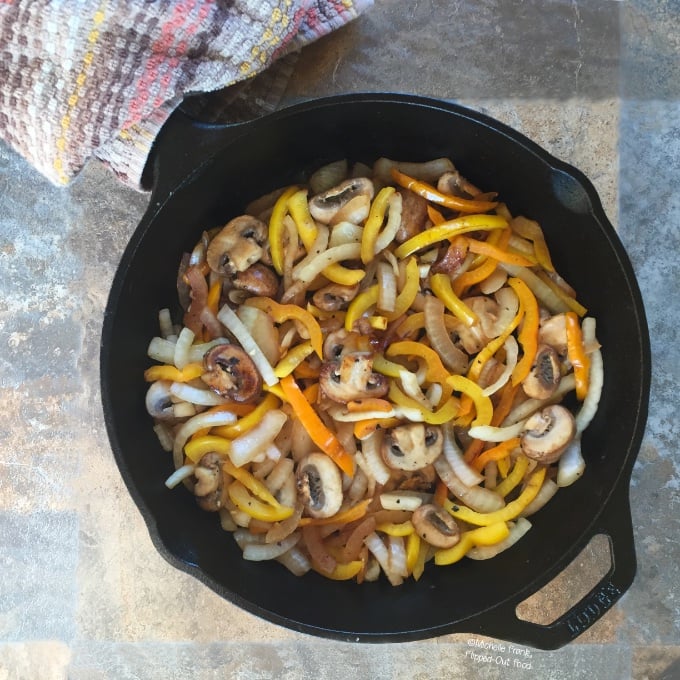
{"points": [[498, 254], [514, 478], [577, 355], [361, 304], [373, 223], [441, 287], [255, 508], [429, 193], [294, 357], [317, 431], [528, 334], [435, 369], [495, 453], [197, 448], [396, 529], [408, 293], [248, 421], [449, 229], [505, 514], [486, 535], [343, 517], [531, 230], [446, 412], [281, 313], [188, 373], [483, 405], [276, 228]]}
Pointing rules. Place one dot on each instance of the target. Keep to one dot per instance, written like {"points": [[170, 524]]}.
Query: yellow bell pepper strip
{"points": [[486, 535], [275, 390], [365, 428], [573, 304], [246, 502], [243, 425], [435, 368], [531, 230], [495, 453], [498, 254], [316, 429], [577, 355], [343, 517], [174, 374], [412, 551], [307, 230], [503, 466], [276, 228], [408, 293], [505, 514], [441, 287], [483, 405], [514, 478], [430, 193], [294, 357], [528, 334], [446, 412], [394, 529], [373, 223], [281, 313], [195, 449], [386, 367], [342, 572], [378, 322], [449, 229], [361, 304]]}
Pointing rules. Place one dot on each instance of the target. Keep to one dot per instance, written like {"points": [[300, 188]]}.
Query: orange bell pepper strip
{"points": [[441, 493], [430, 193], [495, 453], [343, 517], [281, 313], [441, 287], [368, 404], [365, 428], [315, 427], [528, 334], [577, 355], [276, 228], [498, 254], [188, 373], [213, 300], [435, 216]]}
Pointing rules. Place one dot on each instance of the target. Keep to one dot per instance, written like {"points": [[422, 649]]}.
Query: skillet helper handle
{"points": [[181, 146], [615, 522]]}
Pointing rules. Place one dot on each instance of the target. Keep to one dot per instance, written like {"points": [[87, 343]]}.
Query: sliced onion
{"points": [[164, 435], [286, 527], [485, 552], [165, 323], [397, 556], [195, 395], [489, 433], [387, 292], [411, 382], [183, 409], [526, 408], [453, 357], [379, 550], [314, 267], [319, 246], [226, 520], [345, 232], [545, 493], [386, 236], [278, 475], [403, 500], [249, 445], [475, 497], [511, 354], [243, 537], [198, 422], [374, 462], [184, 342], [429, 171], [228, 317], [454, 456], [541, 290], [595, 379], [179, 475], [328, 176], [261, 326], [494, 281], [295, 561], [571, 464], [269, 551]]}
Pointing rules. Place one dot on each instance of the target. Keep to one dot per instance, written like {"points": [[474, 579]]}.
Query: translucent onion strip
{"points": [[179, 475], [485, 552], [193, 425], [545, 493], [295, 561], [195, 395], [314, 267], [184, 342], [475, 497], [511, 354], [387, 290], [489, 433], [269, 551], [571, 465], [454, 358], [454, 456], [392, 225], [595, 378], [163, 350], [248, 446]]}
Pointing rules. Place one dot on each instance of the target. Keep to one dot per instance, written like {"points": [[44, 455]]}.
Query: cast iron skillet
{"points": [[202, 176]]}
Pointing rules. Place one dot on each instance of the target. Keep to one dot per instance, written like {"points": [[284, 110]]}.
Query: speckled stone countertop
{"points": [[83, 593]]}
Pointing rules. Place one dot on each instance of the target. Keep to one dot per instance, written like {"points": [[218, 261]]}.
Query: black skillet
{"points": [[203, 175]]}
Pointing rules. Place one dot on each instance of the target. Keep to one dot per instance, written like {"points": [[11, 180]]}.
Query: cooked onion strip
{"points": [[485, 552], [476, 497], [269, 551], [313, 267], [454, 456], [196, 395], [193, 425]]}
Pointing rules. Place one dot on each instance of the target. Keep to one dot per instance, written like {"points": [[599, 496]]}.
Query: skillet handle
{"points": [[615, 523], [182, 145]]}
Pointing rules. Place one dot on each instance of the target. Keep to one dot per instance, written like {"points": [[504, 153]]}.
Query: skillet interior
{"points": [[282, 149]]}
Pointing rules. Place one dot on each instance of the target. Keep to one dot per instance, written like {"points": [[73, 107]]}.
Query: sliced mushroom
{"points": [[455, 184], [340, 342], [417, 480], [333, 297], [158, 400], [231, 373], [350, 378], [326, 206], [413, 215], [450, 260], [258, 279], [412, 447], [237, 246], [553, 332], [434, 525], [319, 485], [545, 375], [209, 488], [547, 434]]}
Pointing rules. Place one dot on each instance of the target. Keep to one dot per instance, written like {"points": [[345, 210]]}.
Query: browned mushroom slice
{"points": [[324, 207], [434, 525], [413, 215], [547, 434], [545, 376], [350, 378], [455, 184], [231, 373], [237, 246], [158, 401], [209, 488], [319, 485], [340, 342], [258, 280], [553, 332], [412, 447], [334, 296]]}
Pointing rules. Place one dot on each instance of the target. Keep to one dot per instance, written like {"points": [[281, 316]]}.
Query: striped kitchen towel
{"points": [[83, 78]]}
